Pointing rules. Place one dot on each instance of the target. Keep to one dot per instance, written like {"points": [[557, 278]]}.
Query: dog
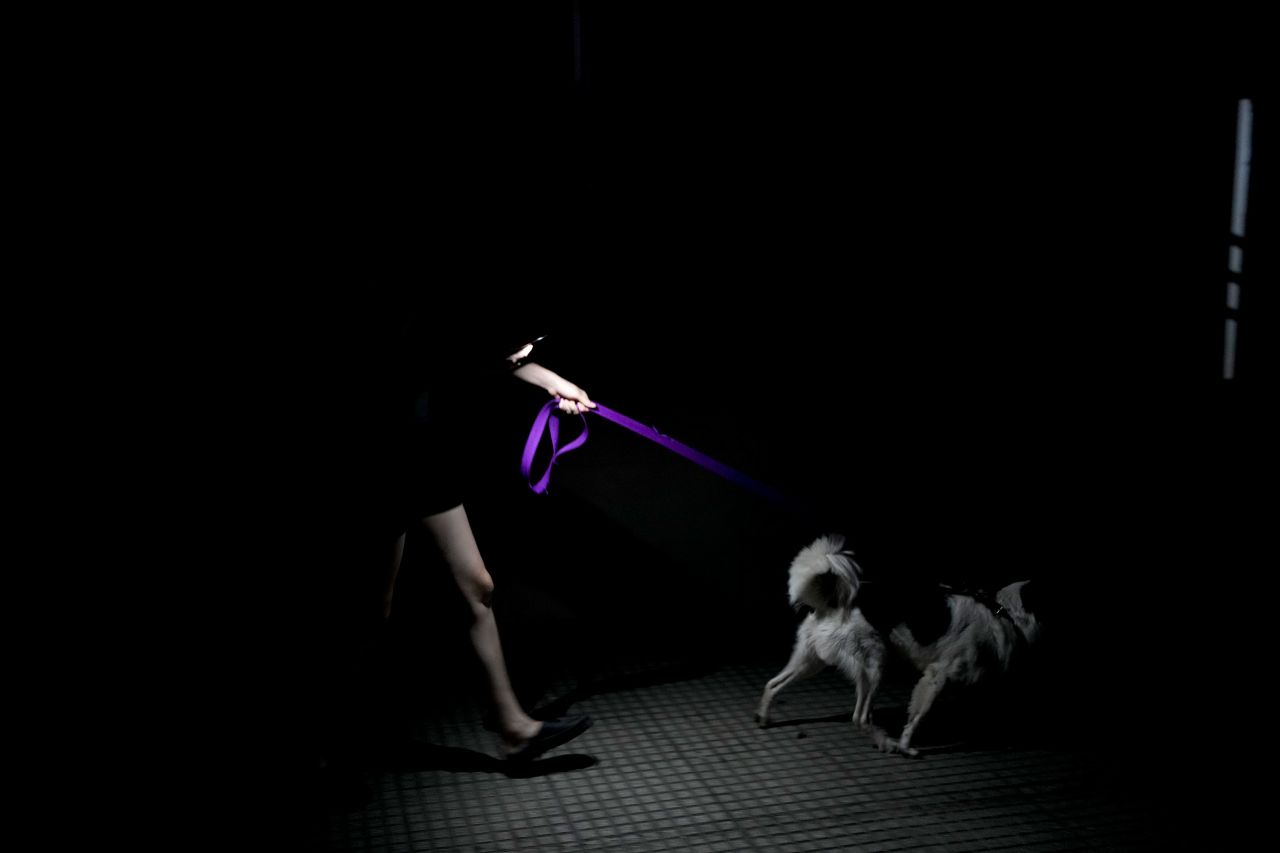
{"points": [[950, 637]]}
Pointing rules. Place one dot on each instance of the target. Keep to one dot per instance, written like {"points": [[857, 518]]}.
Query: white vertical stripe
{"points": [[1244, 154], [1229, 351], [1239, 209]]}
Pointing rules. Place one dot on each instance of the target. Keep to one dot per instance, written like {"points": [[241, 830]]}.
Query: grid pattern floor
{"points": [[680, 765]]}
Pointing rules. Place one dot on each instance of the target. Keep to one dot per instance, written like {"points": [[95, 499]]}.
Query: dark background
{"points": [[960, 292]]}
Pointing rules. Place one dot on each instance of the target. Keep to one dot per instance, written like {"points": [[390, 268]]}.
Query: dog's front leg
{"points": [[804, 663], [867, 682]]}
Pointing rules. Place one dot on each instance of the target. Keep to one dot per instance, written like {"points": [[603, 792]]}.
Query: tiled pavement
{"points": [[679, 764]]}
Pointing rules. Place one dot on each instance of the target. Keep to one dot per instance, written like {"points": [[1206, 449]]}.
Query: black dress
{"points": [[412, 446]]}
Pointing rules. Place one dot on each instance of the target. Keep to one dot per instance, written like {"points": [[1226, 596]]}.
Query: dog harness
{"points": [[988, 601]]}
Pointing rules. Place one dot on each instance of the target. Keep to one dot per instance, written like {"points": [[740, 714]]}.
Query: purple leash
{"points": [[547, 422]]}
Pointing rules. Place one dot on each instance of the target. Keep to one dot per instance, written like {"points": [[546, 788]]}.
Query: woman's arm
{"points": [[572, 399]]}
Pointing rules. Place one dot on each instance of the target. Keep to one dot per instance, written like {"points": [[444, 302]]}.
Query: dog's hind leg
{"points": [[922, 698], [804, 663], [862, 662]]}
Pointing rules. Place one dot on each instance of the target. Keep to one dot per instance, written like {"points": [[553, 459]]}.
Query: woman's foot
{"points": [[549, 735]]}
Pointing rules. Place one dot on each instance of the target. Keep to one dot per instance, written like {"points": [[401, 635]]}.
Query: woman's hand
{"points": [[572, 398]]}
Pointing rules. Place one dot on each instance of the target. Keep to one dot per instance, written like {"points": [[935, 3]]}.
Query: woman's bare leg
{"points": [[452, 532]]}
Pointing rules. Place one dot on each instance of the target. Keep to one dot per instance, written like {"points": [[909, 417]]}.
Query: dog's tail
{"points": [[824, 575]]}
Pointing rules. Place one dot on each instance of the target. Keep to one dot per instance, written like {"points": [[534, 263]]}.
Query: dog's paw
{"points": [[880, 738], [762, 721], [890, 745]]}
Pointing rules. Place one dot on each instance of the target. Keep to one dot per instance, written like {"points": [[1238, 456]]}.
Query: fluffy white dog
{"points": [[950, 637]]}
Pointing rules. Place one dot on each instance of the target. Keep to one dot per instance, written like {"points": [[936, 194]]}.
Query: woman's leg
{"points": [[452, 532]]}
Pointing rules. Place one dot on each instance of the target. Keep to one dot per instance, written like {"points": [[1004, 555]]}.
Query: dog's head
{"points": [[824, 575], [1019, 601]]}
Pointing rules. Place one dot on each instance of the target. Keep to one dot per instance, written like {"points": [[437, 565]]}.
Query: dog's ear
{"points": [[848, 568]]}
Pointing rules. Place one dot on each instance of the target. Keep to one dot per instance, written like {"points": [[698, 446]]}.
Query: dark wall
{"points": [[963, 298]]}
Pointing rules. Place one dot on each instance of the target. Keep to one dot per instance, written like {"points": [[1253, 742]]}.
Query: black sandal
{"points": [[552, 734]]}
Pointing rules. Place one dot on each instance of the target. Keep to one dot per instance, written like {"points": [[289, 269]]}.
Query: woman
{"points": [[421, 481]]}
